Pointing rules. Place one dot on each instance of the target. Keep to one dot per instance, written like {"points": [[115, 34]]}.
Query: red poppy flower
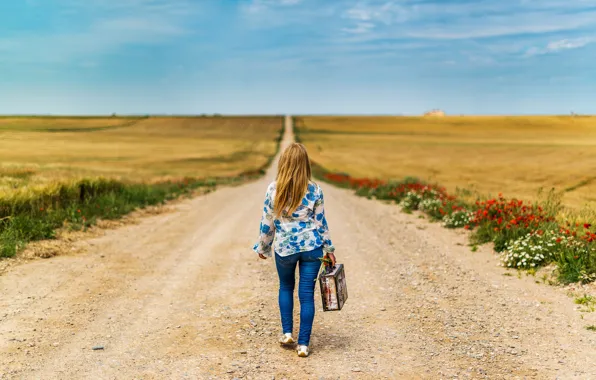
{"points": [[587, 225]]}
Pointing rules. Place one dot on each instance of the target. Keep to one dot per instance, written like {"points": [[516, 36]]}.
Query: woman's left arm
{"points": [[322, 226], [266, 229]]}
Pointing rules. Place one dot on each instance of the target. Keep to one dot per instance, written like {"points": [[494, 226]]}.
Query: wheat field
{"points": [[67, 172], [35, 151], [516, 156]]}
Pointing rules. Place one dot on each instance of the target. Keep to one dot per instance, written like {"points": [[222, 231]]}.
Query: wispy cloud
{"points": [[467, 20], [256, 6], [475, 49], [560, 45], [500, 26], [386, 13], [360, 28], [145, 6], [312, 15], [102, 26], [461, 32], [479, 33], [569, 44]]}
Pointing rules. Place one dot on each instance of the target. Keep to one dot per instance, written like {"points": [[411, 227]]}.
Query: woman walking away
{"points": [[294, 216]]}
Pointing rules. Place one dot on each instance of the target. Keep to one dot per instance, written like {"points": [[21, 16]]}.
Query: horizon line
{"points": [[206, 115]]}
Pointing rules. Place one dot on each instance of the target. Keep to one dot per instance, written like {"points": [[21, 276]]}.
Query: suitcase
{"points": [[334, 291]]}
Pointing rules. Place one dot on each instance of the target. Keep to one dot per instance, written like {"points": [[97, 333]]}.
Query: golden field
{"points": [[514, 155], [35, 151]]}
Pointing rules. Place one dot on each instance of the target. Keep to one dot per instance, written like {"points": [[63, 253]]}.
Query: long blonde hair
{"points": [[293, 175]]}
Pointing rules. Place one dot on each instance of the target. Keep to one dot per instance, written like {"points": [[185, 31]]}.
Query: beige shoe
{"points": [[287, 339], [303, 351]]}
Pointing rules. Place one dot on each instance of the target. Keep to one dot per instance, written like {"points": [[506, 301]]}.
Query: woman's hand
{"points": [[262, 256], [331, 257]]}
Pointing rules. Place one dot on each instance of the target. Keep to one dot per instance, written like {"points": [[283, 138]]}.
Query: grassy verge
{"points": [[526, 235], [28, 215]]}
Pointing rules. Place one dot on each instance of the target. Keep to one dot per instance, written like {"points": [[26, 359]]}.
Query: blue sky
{"points": [[297, 56]]}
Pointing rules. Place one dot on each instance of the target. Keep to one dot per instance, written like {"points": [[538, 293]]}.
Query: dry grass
{"points": [[68, 174], [36, 151], [43, 124], [513, 155]]}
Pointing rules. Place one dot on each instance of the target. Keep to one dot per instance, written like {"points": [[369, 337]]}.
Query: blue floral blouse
{"points": [[305, 230]]}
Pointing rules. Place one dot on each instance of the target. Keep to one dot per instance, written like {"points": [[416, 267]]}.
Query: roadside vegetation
{"points": [[526, 234], [71, 172]]}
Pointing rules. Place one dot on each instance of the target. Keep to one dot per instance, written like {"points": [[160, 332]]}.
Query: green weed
{"points": [[587, 301]]}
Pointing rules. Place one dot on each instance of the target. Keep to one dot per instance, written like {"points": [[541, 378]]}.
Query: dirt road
{"points": [[182, 296]]}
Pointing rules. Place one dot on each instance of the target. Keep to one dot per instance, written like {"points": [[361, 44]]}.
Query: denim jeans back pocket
{"points": [[313, 255], [286, 260]]}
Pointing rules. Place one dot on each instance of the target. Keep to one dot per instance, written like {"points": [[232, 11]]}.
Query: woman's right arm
{"points": [[266, 229]]}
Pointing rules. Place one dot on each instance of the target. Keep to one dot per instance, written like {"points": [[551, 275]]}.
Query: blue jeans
{"points": [[309, 265]]}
